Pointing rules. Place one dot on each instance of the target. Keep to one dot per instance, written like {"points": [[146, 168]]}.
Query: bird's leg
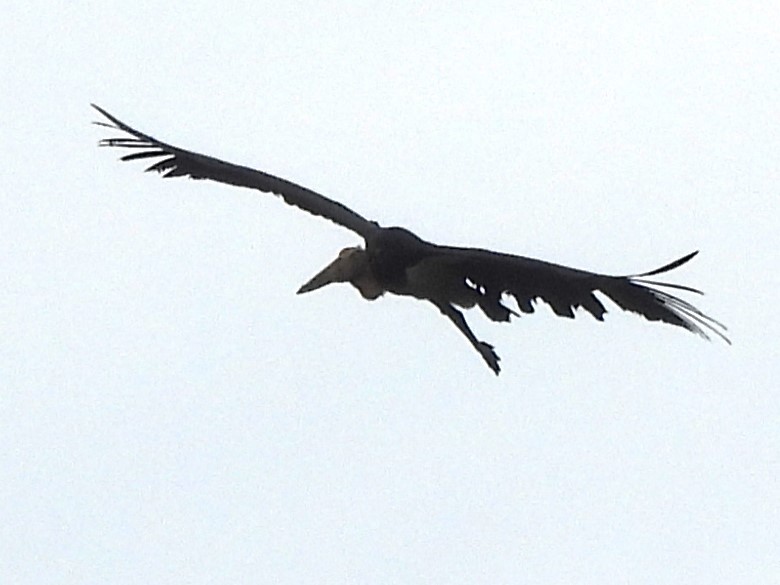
{"points": [[484, 349]]}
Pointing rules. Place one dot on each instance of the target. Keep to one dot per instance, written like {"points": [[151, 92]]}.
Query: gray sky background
{"points": [[171, 412]]}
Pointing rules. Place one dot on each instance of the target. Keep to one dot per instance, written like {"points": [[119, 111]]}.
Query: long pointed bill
{"points": [[327, 275]]}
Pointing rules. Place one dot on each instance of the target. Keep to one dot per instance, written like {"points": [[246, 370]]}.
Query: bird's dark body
{"points": [[391, 252], [397, 261]]}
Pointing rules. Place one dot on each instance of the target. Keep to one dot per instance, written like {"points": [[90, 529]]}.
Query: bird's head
{"points": [[351, 266]]}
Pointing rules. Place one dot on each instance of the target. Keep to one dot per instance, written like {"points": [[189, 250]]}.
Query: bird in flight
{"points": [[394, 260]]}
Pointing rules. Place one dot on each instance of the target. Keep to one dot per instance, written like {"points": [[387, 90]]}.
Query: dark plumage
{"points": [[397, 261]]}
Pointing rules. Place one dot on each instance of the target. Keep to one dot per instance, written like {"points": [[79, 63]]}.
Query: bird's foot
{"points": [[490, 356]]}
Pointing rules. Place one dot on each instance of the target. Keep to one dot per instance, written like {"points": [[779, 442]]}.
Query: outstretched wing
{"points": [[177, 162], [564, 289]]}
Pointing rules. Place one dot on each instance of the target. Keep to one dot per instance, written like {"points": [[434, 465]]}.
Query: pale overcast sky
{"points": [[170, 410]]}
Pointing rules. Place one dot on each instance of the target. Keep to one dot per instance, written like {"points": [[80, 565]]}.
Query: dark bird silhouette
{"points": [[397, 261]]}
